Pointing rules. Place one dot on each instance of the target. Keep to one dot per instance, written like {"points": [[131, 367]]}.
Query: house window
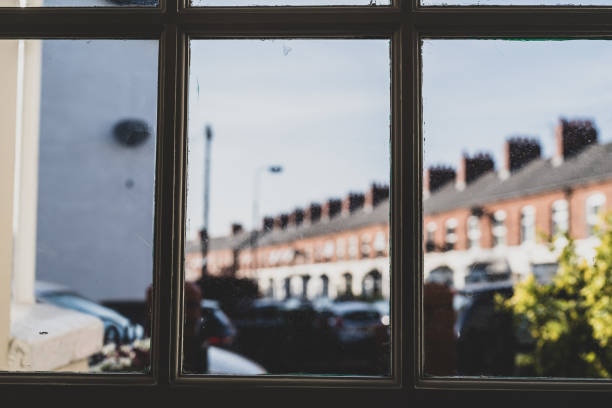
{"points": [[528, 224], [366, 246], [346, 291], [498, 228], [430, 237], [353, 247], [380, 243], [451, 234], [324, 286], [559, 217], [595, 204], [340, 248], [473, 232]]}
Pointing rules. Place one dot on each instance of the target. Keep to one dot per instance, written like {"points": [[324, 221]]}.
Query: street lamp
{"points": [[274, 169], [208, 135]]}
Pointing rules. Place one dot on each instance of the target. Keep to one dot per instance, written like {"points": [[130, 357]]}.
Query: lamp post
{"points": [[204, 232], [275, 169]]}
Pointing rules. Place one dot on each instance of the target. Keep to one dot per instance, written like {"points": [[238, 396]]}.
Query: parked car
{"points": [[222, 361], [495, 270], [487, 337], [355, 322], [220, 331], [117, 328]]}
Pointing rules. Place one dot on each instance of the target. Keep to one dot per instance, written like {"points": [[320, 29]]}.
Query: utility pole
{"points": [[204, 232]]}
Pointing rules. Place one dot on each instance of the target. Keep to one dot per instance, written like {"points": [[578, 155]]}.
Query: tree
{"points": [[570, 319]]}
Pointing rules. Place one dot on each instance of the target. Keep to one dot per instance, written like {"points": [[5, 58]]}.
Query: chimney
{"points": [[352, 202], [268, 224], [471, 168], [281, 221], [236, 228], [375, 195], [436, 177], [571, 137], [312, 213], [331, 208], [296, 217], [518, 152]]}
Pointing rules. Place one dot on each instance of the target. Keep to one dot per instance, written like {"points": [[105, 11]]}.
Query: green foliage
{"points": [[570, 319]]}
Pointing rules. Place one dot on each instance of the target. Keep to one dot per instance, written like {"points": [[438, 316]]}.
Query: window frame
{"points": [[405, 23], [597, 200], [528, 213]]}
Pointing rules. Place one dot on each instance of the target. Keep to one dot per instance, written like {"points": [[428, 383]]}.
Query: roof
{"points": [[593, 164], [362, 217]]}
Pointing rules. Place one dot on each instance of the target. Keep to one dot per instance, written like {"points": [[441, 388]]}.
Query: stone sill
{"points": [[48, 338]]}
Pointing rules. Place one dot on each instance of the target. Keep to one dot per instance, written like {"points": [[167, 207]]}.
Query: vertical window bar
{"points": [[168, 202]]}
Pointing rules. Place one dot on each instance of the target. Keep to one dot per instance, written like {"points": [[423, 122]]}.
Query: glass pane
{"points": [[517, 153], [516, 2], [78, 124], [226, 3], [289, 177], [79, 3]]}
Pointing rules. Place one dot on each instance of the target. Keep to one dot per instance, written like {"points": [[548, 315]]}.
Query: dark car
{"points": [[487, 336], [220, 331], [356, 322], [118, 329]]}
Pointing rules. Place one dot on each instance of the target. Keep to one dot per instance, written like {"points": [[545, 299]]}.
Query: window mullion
{"points": [[170, 184]]}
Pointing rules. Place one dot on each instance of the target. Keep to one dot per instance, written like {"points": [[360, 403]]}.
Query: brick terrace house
{"points": [[338, 248], [478, 214], [474, 214]]}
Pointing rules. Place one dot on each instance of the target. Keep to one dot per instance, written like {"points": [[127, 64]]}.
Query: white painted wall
{"points": [[333, 270]]}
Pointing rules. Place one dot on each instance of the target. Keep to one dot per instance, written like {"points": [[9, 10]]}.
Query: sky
{"points": [[318, 108], [476, 93]]}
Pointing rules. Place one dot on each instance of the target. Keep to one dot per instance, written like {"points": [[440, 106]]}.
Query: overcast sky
{"points": [[319, 108], [476, 93]]}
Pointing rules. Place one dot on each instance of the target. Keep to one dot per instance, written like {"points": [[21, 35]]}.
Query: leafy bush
{"points": [[570, 319]]}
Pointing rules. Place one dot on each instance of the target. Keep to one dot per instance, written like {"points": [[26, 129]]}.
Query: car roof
{"points": [[352, 306], [41, 287], [267, 302], [479, 287], [209, 303]]}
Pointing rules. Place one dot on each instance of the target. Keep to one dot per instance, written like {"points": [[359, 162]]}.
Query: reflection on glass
{"points": [[517, 159], [227, 3], [79, 3], [78, 157], [287, 267]]}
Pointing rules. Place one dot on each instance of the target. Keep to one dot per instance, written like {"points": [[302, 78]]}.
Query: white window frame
{"points": [[473, 232], [499, 232], [528, 224], [593, 218]]}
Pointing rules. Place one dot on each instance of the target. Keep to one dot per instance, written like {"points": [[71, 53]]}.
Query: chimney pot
{"points": [[296, 217], [571, 137], [236, 228], [437, 177], [376, 194], [352, 202], [281, 221], [473, 167], [268, 224], [331, 208], [518, 152], [313, 213]]}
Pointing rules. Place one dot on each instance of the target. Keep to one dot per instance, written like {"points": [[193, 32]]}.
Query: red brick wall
{"points": [[543, 207]]}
